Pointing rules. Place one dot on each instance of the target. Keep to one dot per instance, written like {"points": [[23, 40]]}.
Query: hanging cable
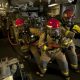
{"points": [[14, 44]]}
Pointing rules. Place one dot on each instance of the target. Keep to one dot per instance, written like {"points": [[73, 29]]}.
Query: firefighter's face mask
{"points": [[54, 33]]}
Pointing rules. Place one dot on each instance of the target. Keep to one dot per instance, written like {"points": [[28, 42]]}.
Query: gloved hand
{"points": [[76, 28], [45, 47]]}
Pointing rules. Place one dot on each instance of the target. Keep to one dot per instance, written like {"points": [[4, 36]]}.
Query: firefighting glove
{"points": [[76, 28], [45, 47]]}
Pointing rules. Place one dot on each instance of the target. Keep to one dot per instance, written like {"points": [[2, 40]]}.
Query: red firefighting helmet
{"points": [[68, 13], [53, 23], [19, 22]]}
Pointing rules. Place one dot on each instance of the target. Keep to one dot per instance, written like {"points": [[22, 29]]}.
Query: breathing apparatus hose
{"points": [[14, 44]]}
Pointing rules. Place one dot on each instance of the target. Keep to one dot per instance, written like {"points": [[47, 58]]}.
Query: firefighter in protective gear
{"points": [[66, 18], [26, 36], [50, 45], [69, 26]]}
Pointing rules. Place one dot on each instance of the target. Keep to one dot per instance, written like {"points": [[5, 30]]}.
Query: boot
{"points": [[67, 77], [42, 69], [75, 68], [77, 71]]}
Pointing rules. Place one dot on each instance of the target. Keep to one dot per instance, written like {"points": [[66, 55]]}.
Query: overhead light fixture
{"points": [[49, 1], [51, 5], [70, 1]]}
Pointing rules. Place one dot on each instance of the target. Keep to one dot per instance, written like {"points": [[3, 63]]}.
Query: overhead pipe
{"points": [[62, 1]]}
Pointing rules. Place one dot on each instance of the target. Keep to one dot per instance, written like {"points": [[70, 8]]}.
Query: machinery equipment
{"points": [[12, 69]]}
